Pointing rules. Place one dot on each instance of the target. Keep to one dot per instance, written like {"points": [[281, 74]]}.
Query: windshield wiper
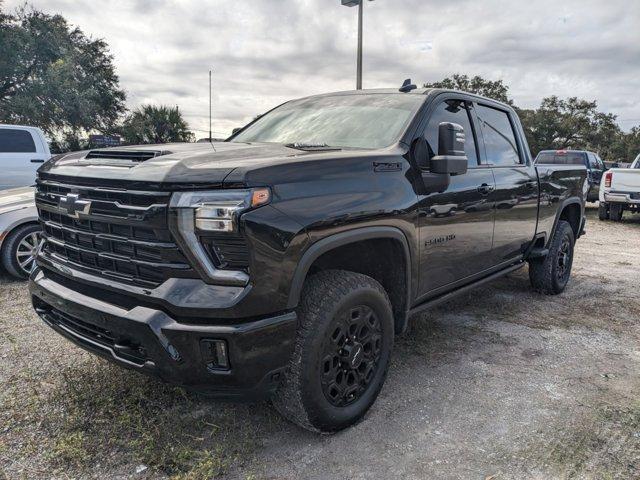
{"points": [[310, 146]]}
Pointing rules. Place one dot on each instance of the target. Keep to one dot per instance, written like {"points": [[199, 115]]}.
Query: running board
{"points": [[450, 295]]}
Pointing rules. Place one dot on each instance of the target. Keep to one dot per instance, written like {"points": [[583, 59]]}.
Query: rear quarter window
{"points": [[13, 140]]}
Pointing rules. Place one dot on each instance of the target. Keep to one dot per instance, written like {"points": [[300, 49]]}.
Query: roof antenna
{"points": [[210, 139], [407, 86]]}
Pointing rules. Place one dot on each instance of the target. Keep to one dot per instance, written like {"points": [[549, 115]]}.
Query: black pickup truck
{"points": [[282, 262]]}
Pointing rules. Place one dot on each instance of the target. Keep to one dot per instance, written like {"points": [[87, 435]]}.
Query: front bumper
{"points": [[150, 341]]}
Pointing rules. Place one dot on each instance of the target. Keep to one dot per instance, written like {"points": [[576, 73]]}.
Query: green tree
{"points": [[627, 146], [495, 89], [572, 123], [54, 77], [153, 124]]}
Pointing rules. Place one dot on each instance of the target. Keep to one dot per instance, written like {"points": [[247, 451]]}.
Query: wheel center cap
{"points": [[355, 357]]}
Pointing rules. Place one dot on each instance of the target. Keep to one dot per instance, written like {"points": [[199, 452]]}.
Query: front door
{"points": [[456, 226]]}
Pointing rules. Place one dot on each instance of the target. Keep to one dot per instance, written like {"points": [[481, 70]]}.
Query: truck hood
{"points": [[175, 166]]}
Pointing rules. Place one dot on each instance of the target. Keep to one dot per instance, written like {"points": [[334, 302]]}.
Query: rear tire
{"points": [[603, 211], [342, 352], [615, 212], [18, 250], [550, 274]]}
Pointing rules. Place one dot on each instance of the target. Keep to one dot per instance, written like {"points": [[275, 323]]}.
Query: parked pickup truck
{"points": [[593, 162], [620, 192], [282, 261], [22, 150]]}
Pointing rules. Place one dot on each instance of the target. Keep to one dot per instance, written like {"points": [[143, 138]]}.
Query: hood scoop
{"points": [[127, 155]]}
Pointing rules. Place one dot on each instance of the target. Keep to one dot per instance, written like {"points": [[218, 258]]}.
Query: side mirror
{"points": [[235, 130], [451, 158]]}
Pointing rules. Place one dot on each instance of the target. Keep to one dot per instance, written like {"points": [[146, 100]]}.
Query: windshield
{"points": [[357, 121]]}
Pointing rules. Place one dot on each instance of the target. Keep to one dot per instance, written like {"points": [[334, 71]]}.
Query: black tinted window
{"points": [[16, 141], [560, 158], [499, 138], [453, 111], [593, 163]]}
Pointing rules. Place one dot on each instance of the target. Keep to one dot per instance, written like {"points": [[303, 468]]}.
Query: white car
{"points": [[22, 150], [620, 192], [19, 231]]}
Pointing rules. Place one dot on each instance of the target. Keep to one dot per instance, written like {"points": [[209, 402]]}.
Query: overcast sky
{"points": [[264, 52]]}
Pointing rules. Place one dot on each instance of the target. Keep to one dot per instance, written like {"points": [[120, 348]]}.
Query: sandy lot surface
{"points": [[499, 384]]}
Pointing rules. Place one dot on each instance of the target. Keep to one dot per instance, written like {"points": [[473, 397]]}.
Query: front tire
{"points": [[550, 275], [342, 352], [19, 250]]}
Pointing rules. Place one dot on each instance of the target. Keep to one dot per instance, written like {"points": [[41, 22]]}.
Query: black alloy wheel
{"points": [[351, 355]]}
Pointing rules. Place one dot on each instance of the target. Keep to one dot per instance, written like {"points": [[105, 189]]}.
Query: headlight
{"points": [[194, 214], [218, 211]]}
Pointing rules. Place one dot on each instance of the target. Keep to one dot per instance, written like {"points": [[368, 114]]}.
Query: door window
{"points": [[16, 141], [600, 163], [593, 162], [454, 111], [499, 138]]}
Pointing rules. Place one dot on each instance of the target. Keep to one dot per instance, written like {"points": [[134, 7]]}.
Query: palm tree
{"points": [[156, 124]]}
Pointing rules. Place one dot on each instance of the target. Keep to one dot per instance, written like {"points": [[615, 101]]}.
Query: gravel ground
{"points": [[499, 384]]}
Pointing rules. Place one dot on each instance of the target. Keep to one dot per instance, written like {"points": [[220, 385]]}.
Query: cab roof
{"points": [[418, 91]]}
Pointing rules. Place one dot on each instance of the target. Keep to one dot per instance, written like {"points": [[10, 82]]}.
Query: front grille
{"points": [[122, 235]]}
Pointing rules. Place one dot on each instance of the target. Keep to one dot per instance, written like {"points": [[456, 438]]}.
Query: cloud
{"points": [[264, 52]]}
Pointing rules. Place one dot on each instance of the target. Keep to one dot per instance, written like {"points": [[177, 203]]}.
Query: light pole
{"points": [[360, 4]]}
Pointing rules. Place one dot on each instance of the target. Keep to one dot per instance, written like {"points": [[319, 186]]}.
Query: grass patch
{"points": [[96, 413], [604, 445]]}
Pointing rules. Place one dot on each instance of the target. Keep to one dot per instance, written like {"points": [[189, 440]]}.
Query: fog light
{"points": [[215, 354]]}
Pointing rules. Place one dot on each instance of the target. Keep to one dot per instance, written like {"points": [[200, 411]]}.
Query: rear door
{"points": [[455, 226], [21, 154], [595, 170], [596, 167], [516, 192]]}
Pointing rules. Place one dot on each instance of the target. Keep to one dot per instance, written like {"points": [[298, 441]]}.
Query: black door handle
{"points": [[37, 160], [485, 189]]}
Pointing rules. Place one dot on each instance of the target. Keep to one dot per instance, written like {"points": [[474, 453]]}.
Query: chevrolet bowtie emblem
{"points": [[74, 205]]}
